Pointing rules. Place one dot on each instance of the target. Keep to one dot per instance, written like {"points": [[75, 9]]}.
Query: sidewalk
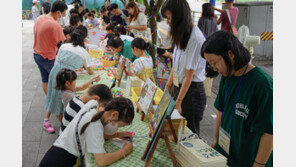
{"points": [[35, 140]]}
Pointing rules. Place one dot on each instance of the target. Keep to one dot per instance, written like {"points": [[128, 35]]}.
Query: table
{"points": [[161, 155]]}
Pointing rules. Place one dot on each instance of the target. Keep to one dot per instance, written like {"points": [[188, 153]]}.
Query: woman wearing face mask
{"points": [[244, 103], [86, 131], [188, 71]]}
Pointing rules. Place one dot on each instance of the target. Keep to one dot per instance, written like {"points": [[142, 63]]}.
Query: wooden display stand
{"points": [[120, 77], [139, 109], [162, 134]]}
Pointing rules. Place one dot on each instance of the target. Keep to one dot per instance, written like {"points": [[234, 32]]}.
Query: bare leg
{"points": [[47, 115], [60, 117], [44, 87]]}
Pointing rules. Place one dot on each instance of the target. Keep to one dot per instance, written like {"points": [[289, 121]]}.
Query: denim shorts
{"points": [[44, 66]]}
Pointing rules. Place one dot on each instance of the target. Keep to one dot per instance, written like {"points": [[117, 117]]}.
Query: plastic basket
{"points": [[136, 92], [106, 63]]}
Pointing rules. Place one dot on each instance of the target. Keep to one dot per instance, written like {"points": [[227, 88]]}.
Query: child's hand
{"points": [[124, 135], [96, 79], [127, 148], [80, 69]]}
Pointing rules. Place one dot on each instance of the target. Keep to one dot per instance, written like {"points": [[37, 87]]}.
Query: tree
{"points": [[152, 11]]}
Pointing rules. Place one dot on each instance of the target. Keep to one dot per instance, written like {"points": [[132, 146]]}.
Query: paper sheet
{"points": [[119, 142], [176, 115]]}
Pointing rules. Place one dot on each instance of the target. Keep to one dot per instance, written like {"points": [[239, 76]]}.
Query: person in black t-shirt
{"points": [[104, 15], [119, 15], [46, 7]]}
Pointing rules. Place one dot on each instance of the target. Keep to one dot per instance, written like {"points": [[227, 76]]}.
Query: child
{"points": [[104, 16], [120, 47], [67, 32], [100, 92], [92, 21], [75, 20], [121, 31], [110, 28], [143, 66], [92, 124], [66, 83]]}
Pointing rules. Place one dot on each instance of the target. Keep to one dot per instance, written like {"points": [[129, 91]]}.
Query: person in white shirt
{"points": [[138, 20], [67, 17], [188, 71], [85, 133], [143, 66], [35, 10]]}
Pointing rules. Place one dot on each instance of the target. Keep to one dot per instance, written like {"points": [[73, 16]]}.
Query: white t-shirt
{"points": [[126, 37], [35, 9], [76, 50], [190, 58], [92, 140], [67, 17], [138, 64], [140, 21]]}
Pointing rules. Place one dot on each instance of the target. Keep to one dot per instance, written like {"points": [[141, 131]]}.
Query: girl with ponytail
{"points": [[143, 66], [85, 133], [70, 56], [66, 83]]}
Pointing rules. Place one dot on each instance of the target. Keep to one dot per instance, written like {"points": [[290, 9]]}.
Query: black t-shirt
{"points": [[46, 6]]}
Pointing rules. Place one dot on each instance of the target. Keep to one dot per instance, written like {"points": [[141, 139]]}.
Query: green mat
{"points": [[161, 156]]}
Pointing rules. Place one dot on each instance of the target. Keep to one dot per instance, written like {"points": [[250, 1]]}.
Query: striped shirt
{"points": [[70, 112], [67, 95]]}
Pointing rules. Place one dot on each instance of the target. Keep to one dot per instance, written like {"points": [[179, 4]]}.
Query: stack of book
{"points": [[194, 152]]}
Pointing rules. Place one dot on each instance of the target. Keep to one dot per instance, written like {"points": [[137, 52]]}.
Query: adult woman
{"points": [[207, 23], [71, 56], [244, 101], [137, 18], [188, 71], [85, 133], [35, 10]]}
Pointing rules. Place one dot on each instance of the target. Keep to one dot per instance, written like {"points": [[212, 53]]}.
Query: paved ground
{"points": [[35, 140]]}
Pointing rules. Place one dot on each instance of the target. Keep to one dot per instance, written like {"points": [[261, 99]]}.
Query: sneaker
{"points": [[47, 126]]}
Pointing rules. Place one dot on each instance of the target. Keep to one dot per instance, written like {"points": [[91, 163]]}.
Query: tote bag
{"points": [[233, 29]]}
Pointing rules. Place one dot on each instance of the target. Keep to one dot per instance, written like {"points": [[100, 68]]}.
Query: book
{"points": [[195, 152], [147, 95]]}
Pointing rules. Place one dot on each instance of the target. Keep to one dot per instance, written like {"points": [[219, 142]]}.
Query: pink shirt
{"points": [[224, 18], [47, 33]]}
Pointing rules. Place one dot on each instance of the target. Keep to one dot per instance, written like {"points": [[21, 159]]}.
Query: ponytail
{"points": [[123, 106], [63, 76], [140, 44], [78, 36], [95, 118]]}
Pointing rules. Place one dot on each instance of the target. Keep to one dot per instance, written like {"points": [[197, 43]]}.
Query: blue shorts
{"points": [[44, 66]]}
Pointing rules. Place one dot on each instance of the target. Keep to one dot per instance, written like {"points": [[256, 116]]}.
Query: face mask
{"points": [[110, 129]]}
